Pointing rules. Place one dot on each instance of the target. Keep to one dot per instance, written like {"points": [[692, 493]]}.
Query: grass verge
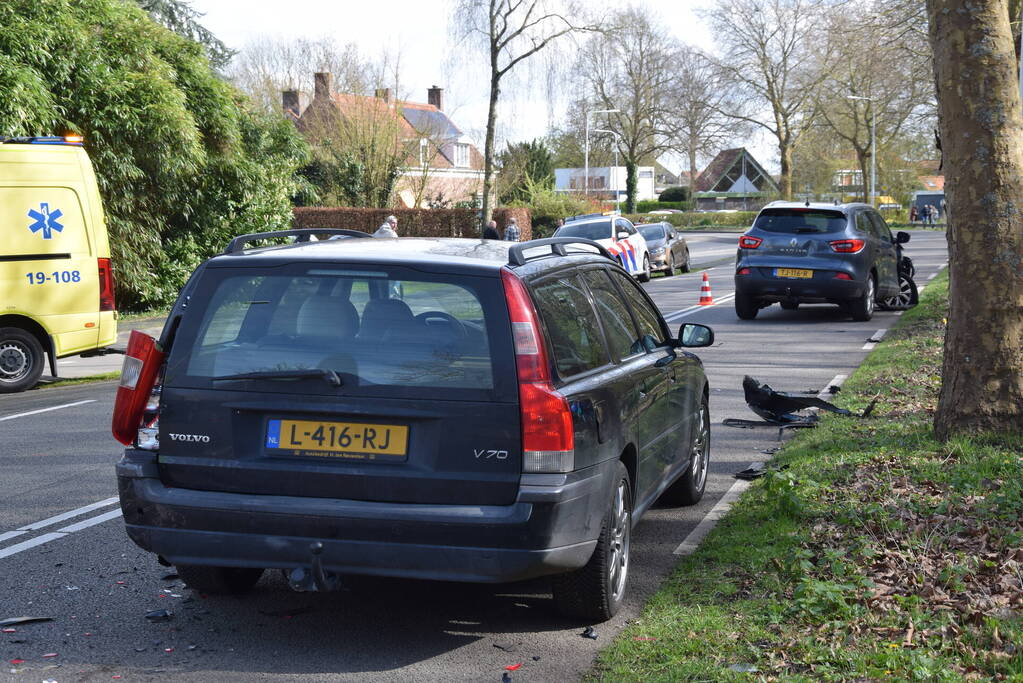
{"points": [[870, 551], [71, 381]]}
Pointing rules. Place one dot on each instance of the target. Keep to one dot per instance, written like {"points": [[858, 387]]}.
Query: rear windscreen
{"points": [[651, 232], [600, 230], [375, 328], [800, 221]]}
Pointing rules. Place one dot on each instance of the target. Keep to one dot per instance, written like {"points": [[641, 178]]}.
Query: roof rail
{"points": [[602, 214], [303, 235], [517, 256], [73, 140]]}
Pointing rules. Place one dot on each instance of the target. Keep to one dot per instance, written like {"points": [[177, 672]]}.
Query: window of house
{"points": [[461, 155]]}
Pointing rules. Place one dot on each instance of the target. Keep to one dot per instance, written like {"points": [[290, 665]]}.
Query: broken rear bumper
{"points": [[551, 528]]}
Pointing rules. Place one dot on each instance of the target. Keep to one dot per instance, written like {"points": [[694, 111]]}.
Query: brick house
{"points": [[441, 165]]}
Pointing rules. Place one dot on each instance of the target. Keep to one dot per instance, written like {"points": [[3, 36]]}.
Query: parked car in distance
{"points": [[452, 409], [616, 234], [668, 249], [664, 212], [798, 253]]}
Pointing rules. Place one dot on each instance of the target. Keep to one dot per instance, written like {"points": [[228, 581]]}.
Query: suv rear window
{"points": [[799, 221], [379, 329], [597, 230]]}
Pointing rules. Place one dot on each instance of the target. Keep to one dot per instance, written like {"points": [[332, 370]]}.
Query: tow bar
{"points": [[315, 578]]}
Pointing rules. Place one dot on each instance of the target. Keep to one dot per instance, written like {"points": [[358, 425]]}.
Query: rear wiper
{"points": [[328, 375]]}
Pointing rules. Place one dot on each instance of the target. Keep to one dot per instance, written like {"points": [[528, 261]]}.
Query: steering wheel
{"points": [[453, 322]]}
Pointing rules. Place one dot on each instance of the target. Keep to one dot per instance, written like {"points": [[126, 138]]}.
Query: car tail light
{"points": [[847, 246], [106, 285], [134, 407], [843, 276], [747, 242], [743, 271], [548, 439]]}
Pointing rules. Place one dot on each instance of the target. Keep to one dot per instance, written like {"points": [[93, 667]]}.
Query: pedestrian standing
{"points": [[930, 212], [388, 229], [490, 232], [511, 231], [912, 214], [943, 210]]}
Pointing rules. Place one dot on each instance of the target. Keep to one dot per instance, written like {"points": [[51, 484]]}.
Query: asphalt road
{"points": [[64, 553]]}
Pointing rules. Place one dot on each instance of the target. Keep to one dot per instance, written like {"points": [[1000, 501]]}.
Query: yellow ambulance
{"points": [[56, 286]]}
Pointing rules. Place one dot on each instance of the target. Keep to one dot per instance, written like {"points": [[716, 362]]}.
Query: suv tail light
{"points": [[106, 285], [133, 407], [747, 242], [847, 246], [548, 439]]}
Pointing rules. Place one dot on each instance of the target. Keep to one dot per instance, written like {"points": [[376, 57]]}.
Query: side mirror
{"points": [[901, 237], [622, 234], [693, 335]]}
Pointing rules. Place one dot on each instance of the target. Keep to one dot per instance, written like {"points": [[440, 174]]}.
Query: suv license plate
{"points": [[349, 440], [793, 272]]}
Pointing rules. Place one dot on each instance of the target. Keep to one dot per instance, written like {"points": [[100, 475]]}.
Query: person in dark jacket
{"points": [[490, 232]]}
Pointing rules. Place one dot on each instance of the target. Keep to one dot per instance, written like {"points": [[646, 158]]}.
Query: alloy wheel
{"points": [[700, 459], [621, 532]]}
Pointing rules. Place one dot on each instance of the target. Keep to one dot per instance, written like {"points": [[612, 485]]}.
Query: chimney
{"points": [[289, 101], [435, 96], [323, 84], [384, 94]]}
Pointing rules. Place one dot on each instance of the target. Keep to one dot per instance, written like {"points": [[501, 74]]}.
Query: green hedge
{"points": [[740, 219], [644, 207]]}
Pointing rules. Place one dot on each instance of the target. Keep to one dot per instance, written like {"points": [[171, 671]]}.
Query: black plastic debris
{"points": [[834, 389], [171, 576], [536, 658], [158, 615], [510, 648], [589, 632], [751, 473], [14, 621], [506, 677], [780, 408]]}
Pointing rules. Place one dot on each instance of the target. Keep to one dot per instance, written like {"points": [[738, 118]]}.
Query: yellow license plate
{"points": [[350, 440], [793, 272]]}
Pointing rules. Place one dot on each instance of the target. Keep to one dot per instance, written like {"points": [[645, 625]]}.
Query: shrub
{"points": [[646, 206], [675, 194]]}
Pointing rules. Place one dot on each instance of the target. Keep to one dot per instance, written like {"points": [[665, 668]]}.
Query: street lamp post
{"points": [[618, 194], [873, 145], [586, 145]]}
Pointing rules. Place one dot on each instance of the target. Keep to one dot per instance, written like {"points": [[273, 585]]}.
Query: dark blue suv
{"points": [[817, 253], [449, 409]]}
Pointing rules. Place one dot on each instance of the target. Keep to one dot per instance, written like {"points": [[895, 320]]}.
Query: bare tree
{"points": [[875, 93], [776, 54], [265, 67], [981, 125], [510, 32], [697, 100], [632, 70]]}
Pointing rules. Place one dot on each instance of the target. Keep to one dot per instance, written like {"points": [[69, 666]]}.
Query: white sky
{"points": [[416, 31]]}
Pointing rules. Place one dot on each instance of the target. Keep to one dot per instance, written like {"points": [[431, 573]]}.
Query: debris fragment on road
{"points": [[158, 615], [514, 667], [13, 621], [589, 632]]}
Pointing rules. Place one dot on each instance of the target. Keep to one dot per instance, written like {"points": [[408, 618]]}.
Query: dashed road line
{"points": [[62, 517], [874, 339], [671, 317], [836, 381], [692, 541], [46, 410]]}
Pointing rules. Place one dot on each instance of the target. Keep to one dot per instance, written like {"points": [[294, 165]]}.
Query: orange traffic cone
{"points": [[705, 297]]}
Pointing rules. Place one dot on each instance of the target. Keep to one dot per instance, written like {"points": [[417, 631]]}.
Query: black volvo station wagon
{"points": [[451, 409]]}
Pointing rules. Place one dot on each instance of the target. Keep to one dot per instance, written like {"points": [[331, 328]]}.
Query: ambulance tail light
{"points": [[134, 405], [106, 286]]}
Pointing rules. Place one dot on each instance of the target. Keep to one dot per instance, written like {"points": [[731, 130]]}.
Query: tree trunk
{"points": [[785, 156], [630, 186], [488, 148], [981, 128], [692, 174], [861, 156]]}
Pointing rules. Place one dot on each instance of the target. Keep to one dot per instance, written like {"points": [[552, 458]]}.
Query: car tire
{"points": [[688, 489], [645, 275], [595, 591], [907, 298], [670, 270], [862, 308], [790, 305], [746, 307], [219, 580], [21, 360], [685, 265]]}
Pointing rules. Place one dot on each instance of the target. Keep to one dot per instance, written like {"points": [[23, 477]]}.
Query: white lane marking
{"points": [[670, 317], [42, 524], [836, 381], [692, 541], [878, 336], [92, 521], [46, 410], [931, 276], [60, 533], [30, 543]]}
